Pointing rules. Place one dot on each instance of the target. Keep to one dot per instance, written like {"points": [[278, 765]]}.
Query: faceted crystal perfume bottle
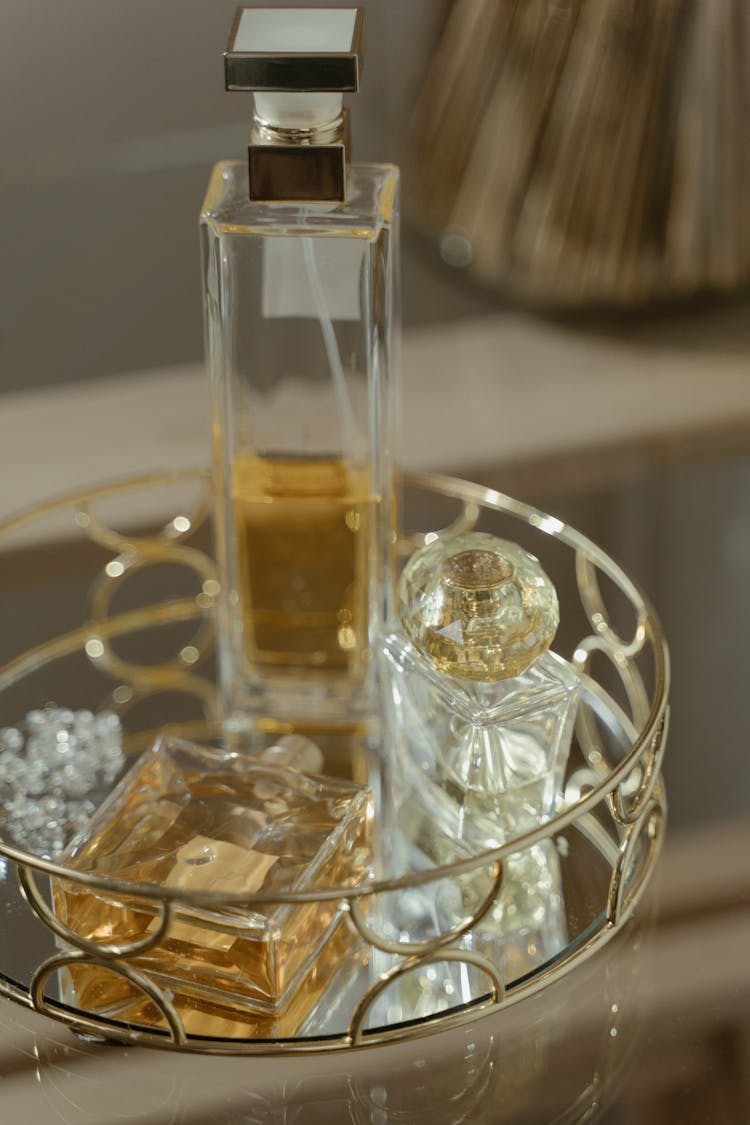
{"points": [[300, 267], [199, 819], [481, 712], [479, 719]]}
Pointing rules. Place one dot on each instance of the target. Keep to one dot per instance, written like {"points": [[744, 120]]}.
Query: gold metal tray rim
{"points": [[631, 816]]}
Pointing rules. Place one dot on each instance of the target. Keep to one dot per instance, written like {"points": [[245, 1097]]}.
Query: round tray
{"points": [[118, 609]]}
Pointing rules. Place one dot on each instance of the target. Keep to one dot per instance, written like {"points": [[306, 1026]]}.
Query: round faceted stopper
{"points": [[478, 607]]}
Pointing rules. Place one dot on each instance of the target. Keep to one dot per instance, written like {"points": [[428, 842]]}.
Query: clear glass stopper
{"points": [[478, 607]]}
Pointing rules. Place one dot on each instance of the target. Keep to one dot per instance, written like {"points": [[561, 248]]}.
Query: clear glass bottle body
{"points": [[471, 766], [301, 308], [488, 758]]}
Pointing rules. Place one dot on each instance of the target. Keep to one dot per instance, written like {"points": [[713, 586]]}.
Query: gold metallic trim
{"points": [[369, 935], [466, 520], [82, 498], [628, 838], [163, 910], [356, 1033], [166, 613], [106, 585], [628, 811], [627, 884], [134, 976], [596, 611], [107, 1029]]}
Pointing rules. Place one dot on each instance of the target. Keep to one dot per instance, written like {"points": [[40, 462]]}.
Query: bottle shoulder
{"points": [[372, 205], [549, 678]]}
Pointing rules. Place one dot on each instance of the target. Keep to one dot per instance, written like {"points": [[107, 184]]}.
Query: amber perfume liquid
{"points": [[195, 819], [93, 989], [302, 528]]}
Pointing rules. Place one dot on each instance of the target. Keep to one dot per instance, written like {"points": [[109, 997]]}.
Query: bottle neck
{"points": [[300, 163], [328, 133]]}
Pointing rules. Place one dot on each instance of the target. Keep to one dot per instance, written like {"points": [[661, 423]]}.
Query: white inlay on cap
{"points": [[296, 30]]}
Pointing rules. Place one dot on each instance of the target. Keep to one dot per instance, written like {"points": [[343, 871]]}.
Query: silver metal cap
{"points": [[295, 49], [298, 62]]}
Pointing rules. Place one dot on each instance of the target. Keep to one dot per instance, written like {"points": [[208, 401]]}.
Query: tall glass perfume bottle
{"points": [[300, 253], [479, 723]]}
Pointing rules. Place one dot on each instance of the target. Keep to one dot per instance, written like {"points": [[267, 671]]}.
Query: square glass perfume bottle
{"points": [[198, 819], [480, 713], [479, 719], [300, 272]]}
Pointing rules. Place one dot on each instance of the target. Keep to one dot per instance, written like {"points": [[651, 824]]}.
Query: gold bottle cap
{"points": [[478, 607], [298, 62]]}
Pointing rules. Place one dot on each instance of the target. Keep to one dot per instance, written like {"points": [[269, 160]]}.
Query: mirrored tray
{"points": [[113, 591]]}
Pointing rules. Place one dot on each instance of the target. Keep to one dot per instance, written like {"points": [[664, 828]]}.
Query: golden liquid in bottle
{"points": [[93, 988], [302, 528], [229, 971]]}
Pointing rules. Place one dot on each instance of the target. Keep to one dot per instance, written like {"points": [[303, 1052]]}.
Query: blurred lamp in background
{"points": [[589, 152]]}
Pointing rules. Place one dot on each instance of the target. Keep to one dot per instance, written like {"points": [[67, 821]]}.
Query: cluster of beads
{"points": [[51, 766]]}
